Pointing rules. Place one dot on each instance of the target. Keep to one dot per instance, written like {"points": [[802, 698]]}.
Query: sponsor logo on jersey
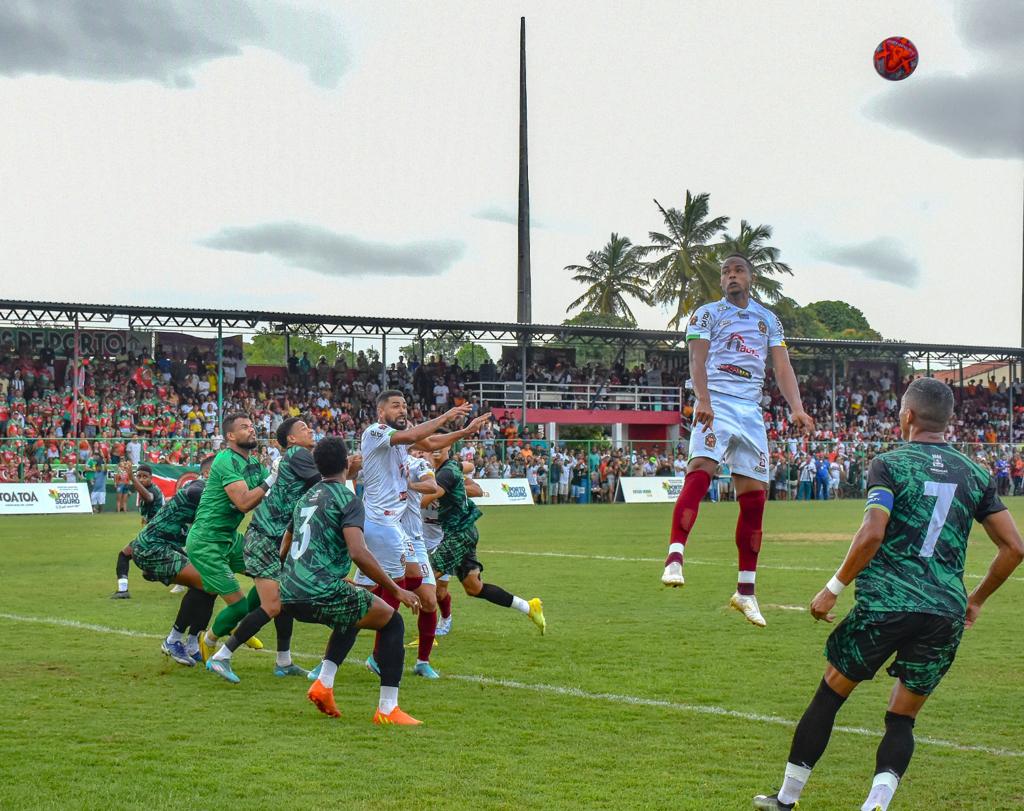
{"points": [[762, 327], [710, 440], [743, 315], [739, 371], [938, 466], [735, 343], [722, 307]]}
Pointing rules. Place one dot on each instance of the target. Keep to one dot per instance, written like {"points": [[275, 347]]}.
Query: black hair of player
{"points": [[331, 456], [284, 429], [384, 396], [931, 401], [750, 267], [231, 419], [206, 462], [145, 469]]}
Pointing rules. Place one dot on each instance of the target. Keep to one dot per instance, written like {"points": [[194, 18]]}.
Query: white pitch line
{"points": [[572, 692], [785, 607], [623, 559]]}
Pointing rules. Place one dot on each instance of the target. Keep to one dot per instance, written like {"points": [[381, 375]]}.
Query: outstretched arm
{"points": [[413, 435], [436, 442]]}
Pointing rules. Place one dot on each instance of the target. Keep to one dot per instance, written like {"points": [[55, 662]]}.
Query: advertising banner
{"points": [[504, 492], [651, 489], [48, 499]]}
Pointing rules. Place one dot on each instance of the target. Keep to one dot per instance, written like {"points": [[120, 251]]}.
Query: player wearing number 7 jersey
{"points": [[908, 560]]}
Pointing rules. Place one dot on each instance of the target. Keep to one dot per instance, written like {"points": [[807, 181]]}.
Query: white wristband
{"points": [[835, 585]]}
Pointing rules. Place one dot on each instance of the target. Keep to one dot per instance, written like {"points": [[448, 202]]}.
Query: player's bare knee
{"points": [[472, 584]]}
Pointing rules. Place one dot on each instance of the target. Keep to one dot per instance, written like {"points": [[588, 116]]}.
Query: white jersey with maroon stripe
{"points": [[385, 471]]}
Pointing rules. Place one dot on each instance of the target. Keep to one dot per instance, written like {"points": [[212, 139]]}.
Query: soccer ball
{"points": [[895, 58]]}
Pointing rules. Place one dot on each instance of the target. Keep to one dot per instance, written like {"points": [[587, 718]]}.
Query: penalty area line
{"points": [[570, 692], [689, 561]]}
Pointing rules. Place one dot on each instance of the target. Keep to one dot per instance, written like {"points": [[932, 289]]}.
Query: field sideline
{"points": [[638, 697]]}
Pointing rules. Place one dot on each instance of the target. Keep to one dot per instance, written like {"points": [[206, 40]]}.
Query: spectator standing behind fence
{"points": [[821, 477], [808, 470]]}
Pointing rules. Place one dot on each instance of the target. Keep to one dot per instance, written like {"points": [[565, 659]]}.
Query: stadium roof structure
{"points": [[49, 313]]}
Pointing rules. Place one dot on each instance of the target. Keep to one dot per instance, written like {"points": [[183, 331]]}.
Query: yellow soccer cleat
{"points": [[536, 614], [206, 648], [254, 643], [416, 643]]}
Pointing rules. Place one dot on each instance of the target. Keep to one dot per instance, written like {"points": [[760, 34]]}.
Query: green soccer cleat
{"points": [[314, 674], [222, 668], [290, 670], [425, 670], [371, 665]]}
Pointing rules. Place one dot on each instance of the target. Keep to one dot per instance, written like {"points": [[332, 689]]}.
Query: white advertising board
{"points": [[503, 491], [48, 499], [651, 489]]}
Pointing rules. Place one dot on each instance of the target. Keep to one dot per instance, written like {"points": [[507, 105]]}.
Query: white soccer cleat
{"points": [[673, 575], [747, 606], [177, 588]]}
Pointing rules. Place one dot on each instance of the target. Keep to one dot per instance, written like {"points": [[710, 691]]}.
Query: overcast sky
{"points": [[361, 158]]}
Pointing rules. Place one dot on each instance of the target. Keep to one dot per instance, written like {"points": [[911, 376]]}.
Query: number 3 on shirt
{"points": [[297, 551], [944, 494]]}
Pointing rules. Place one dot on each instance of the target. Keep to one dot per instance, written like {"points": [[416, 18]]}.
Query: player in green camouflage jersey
{"points": [[236, 485], [908, 560], [151, 499], [324, 540], [296, 473], [456, 554]]}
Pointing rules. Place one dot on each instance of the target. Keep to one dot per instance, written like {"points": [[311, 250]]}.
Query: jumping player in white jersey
{"points": [[384, 447], [730, 340]]}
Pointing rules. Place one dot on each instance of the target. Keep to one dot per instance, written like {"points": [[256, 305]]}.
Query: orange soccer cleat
{"points": [[323, 697], [396, 717]]}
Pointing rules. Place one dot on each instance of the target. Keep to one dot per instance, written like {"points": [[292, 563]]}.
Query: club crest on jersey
{"points": [[710, 440], [693, 321], [762, 327]]}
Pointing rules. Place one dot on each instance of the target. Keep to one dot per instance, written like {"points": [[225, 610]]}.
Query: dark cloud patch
{"points": [[882, 258], [325, 251], [159, 40], [981, 114]]}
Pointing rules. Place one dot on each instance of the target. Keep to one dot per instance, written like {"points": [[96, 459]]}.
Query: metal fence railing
{"points": [[579, 395]]}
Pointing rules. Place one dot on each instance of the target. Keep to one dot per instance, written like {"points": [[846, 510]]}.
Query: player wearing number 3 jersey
{"points": [[908, 560]]}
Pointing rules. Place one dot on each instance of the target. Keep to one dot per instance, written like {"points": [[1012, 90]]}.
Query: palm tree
{"points": [[684, 255], [612, 273], [752, 242]]}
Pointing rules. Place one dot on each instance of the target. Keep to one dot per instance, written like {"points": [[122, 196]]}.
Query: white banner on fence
{"points": [[654, 489], [504, 491], [25, 499]]}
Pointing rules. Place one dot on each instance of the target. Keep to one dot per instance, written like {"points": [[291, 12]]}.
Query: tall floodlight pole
{"points": [[524, 309]]}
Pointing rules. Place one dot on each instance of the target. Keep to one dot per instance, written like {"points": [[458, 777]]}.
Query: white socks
{"points": [[122, 584], [284, 658], [327, 671], [793, 783], [175, 635], [388, 699], [882, 788], [192, 644], [519, 604], [211, 639], [223, 654]]}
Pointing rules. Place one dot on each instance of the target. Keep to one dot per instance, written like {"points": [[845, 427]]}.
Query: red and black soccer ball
{"points": [[895, 58]]}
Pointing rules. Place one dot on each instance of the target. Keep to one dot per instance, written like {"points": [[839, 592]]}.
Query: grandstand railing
{"points": [[579, 395]]}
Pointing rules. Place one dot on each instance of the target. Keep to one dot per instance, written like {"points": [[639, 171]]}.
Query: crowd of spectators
{"points": [[164, 409]]}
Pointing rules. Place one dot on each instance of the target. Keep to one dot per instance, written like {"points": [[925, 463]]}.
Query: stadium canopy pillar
{"points": [[551, 432], [673, 434], [287, 346], [617, 435], [1009, 394], [383, 362], [833, 404], [960, 399], [74, 384], [220, 376], [522, 371]]}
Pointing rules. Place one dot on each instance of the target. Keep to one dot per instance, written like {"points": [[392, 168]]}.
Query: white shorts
{"points": [[422, 560], [392, 548], [98, 499], [432, 536], [738, 437], [563, 489]]}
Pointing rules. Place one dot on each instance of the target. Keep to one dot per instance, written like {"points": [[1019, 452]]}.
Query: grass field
{"points": [[638, 697]]}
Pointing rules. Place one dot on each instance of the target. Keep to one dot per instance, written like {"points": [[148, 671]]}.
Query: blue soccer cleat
{"points": [[290, 670], [197, 657], [314, 674], [177, 652], [425, 670], [222, 668], [371, 665]]}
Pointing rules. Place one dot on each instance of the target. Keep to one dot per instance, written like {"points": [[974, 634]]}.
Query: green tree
{"points": [[601, 353], [469, 354], [267, 348], [612, 273], [842, 320], [679, 267]]}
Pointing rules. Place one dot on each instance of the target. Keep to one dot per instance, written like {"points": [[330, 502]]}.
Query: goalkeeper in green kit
{"points": [[236, 485]]}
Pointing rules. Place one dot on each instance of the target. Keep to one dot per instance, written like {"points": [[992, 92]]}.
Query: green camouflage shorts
{"points": [[158, 562], [341, 611], [456, 554], [925, 646], [261, 554]]}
